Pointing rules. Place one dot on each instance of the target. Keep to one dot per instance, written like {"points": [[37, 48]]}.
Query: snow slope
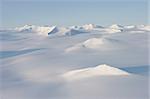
{"points": [[34, 60], [92, 43], [97, 44], [100, 70]]}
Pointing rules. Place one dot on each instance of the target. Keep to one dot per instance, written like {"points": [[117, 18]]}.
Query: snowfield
{"points": [[76, 62]]}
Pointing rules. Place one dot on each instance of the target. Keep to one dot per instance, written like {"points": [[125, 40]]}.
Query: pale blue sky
{"points": [[73, 12]]}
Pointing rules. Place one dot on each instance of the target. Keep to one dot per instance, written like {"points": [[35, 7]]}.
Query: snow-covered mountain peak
{"points": [[102, 66], [91, 26], [42, 30], [144, 27], [74, 30], [94, 42], [25, 28], [130, 27], [100, 70], [116, 26]]}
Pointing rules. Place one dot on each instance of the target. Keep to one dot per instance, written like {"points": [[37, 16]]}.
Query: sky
{"points": [[73, 12]]}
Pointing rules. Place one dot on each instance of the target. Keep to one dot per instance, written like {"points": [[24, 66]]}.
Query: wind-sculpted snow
{"points": [[52, 62], [7, 54]]}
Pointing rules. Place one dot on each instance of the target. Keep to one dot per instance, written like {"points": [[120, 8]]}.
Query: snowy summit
{"points": [[74, 30], [100, 70]]}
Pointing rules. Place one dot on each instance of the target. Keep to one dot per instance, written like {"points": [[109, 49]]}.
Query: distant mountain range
{"points": [[87, 28]]}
